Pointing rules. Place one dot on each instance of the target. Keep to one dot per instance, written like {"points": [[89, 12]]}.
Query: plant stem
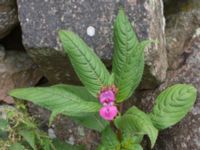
{"points": [[119, 132], [112, 125], [119, 135], [120, 107]]}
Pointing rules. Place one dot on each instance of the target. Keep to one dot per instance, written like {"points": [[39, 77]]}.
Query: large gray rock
{"points": [[180, 27], [41, 20], [8, 16], [16, 70]]}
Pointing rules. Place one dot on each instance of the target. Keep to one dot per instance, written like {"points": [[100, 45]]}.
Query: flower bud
{"points": [[107, 96]]}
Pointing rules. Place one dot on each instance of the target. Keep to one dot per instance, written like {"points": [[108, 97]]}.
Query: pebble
{"points": [[51, 133], [91, 31]]}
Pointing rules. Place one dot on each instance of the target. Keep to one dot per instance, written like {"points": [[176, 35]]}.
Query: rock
{"points": [[93, 21], [71, 140], [2, 53], [73, 133], [180, 27], [16, 70], [186, 134], [51, 133], [8, 16]]}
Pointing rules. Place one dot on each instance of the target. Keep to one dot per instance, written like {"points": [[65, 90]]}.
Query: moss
{"points": [[175, 6]]}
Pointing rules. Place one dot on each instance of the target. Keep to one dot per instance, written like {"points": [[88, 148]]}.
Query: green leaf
{"points": [[93, 121], [3, 135], [172, 105], [89, 68], [128, 57], [109, 140], [65, 146], [112, 79], [57, 99], [90, 120], [131, 142], [132, 138], [43, 140], [132, 147], [16, 146], [29, 137], [137, 122], [80, 91], [3, 124], [46, 144]]}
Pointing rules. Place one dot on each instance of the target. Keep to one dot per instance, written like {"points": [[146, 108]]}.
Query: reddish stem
{"points": [[120, 107]]}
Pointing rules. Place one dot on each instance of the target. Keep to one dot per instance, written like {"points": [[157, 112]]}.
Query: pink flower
{"points": [[108, 112], [107, 96]]}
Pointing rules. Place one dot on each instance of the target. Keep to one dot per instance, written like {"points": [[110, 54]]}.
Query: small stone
{"points": [[70, 131], [197, 33], [71, 140], [91, 31], [81, 131], [51, 133]]}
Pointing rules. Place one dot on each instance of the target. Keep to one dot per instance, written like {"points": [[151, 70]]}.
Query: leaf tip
{"points": [[189, 89], [121, 11], [61, 33], [153, 138], [192, 88], [52, 117], [13, 92]]}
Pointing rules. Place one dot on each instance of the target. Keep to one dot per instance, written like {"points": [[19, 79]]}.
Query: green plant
{"points": [[105, 93], [18, 131]]}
